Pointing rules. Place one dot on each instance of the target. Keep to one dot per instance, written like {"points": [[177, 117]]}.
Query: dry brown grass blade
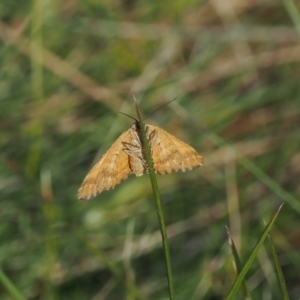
{"points": [[61, 68]]}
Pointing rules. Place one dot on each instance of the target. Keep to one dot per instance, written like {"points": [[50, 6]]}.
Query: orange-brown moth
{"points": [[126, 156]]}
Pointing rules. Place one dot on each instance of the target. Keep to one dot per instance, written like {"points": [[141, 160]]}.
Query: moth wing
{"points": [[110, 170], [170, 154]]}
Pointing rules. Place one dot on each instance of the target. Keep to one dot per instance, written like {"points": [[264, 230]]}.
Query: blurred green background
{"points": [[68, 67]]}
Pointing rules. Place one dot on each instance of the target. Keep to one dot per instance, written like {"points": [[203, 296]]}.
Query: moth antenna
{"points": [[159, 108], [139, 113], [128, 116]]}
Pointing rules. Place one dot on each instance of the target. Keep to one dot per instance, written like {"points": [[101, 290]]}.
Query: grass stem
{"points": [[148, 158]]}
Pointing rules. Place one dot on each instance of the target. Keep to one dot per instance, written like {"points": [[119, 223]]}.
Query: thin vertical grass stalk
{"points": [[278, 270], [152, 175]]}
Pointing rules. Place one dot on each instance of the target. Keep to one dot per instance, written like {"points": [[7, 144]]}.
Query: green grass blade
{"points": [[260, 174], [272, 184], [251, 258], [292, 10], [278, 270], [10, 287], [238, 265]]}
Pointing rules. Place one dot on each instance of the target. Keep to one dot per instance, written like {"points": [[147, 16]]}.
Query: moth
{"points": [[126, 157]]}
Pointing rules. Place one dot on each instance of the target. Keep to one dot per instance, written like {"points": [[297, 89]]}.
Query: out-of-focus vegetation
{"points": [[68, 67]]}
